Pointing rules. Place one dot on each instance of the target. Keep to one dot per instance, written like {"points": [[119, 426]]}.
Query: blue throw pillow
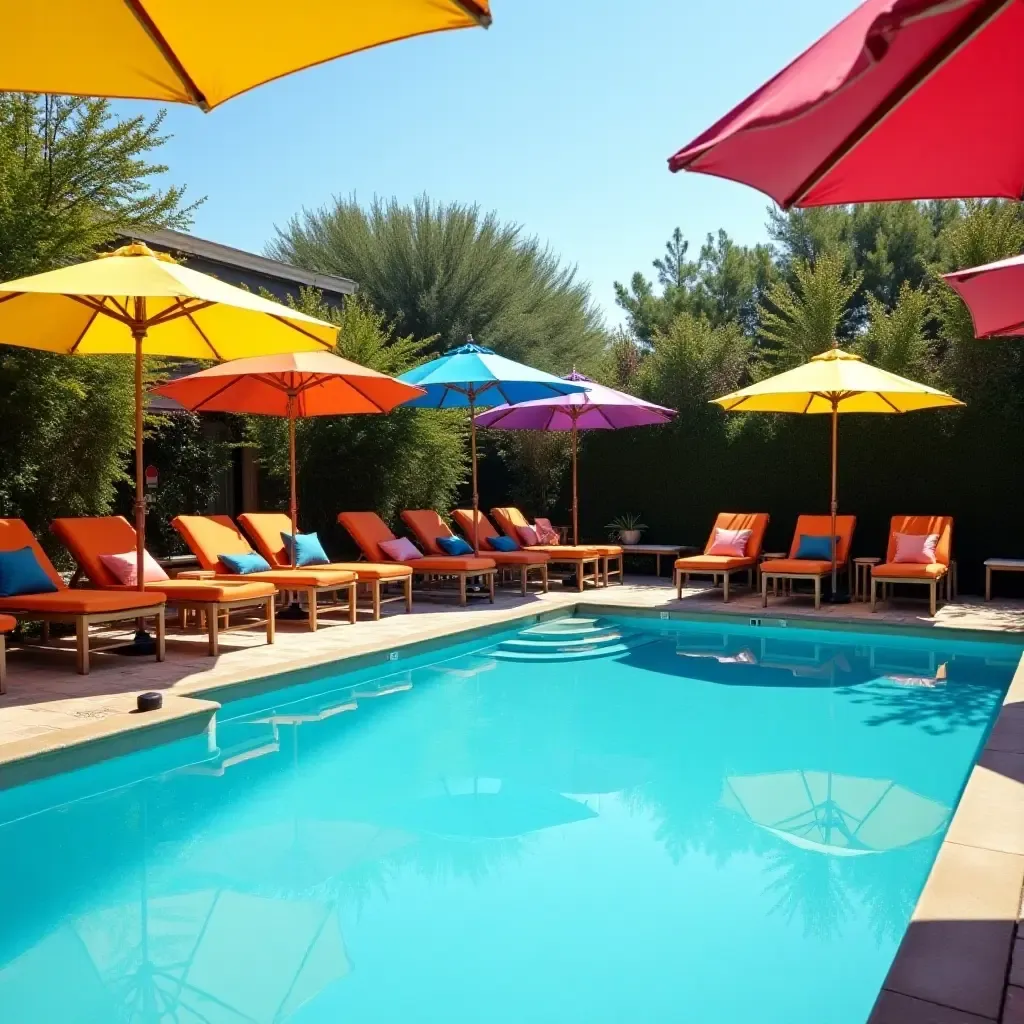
{"points": [[309, 548], [814, 548], [502, 544], [454, 546], [245, 564], [21, 573]]}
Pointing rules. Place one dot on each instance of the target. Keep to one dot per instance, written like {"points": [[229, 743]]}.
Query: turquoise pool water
{"points": [[589, 820]]}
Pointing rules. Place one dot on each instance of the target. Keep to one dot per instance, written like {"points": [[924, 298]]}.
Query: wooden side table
{"points": [[766, 556], [194, 574], [862, 577], [999, 565]]}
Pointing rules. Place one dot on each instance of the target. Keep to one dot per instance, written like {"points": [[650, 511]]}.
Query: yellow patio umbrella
{"points": [[831, 383], [198, 52], [140, 302]]}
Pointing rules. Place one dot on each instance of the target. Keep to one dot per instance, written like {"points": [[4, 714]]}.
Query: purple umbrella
{"points": [[597, 408]]}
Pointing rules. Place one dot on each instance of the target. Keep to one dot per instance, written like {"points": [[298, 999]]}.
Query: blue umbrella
{"points": [[476, 378]]}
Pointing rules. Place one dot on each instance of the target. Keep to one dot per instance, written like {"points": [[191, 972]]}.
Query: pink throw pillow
{"points": [[546, 533], [401, 549], [528, 536], [731, 543], [124, 568], [918, 548]]}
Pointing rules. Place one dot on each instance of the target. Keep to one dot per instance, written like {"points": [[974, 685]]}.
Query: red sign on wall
{"points": [[152, 478]]}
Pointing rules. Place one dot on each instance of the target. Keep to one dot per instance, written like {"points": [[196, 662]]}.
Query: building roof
{"points": [[240, 260]]}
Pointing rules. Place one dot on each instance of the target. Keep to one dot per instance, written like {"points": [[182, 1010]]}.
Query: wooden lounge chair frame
{"points": [[284, 589], [7, 623], [578, 562], [440, 576], [464, 519], [943, 526], [375, 585], [811, 526], [69, 532]]}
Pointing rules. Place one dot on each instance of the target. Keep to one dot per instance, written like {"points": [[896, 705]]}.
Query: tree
{"points": [[447, 271], [71, 176], [800, 320], [410, 458]]}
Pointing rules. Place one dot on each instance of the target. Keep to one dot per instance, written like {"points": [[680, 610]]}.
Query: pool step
{"points": [[568, 640]]}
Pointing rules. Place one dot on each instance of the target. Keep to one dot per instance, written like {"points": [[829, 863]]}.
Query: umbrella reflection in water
{"points": [[840, 815]]}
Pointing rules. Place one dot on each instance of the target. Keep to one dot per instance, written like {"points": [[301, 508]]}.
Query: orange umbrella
{"points": [[293, 385]]}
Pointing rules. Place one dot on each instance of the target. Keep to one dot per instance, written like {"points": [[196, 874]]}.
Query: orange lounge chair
{"points": [[7, 623], [265, 528], [579, 556], [527, 559], [891, 571], [794, 568], [88, 539], [209, 537], [428, 526], [721, 567], [368, 530], [84, 608]]}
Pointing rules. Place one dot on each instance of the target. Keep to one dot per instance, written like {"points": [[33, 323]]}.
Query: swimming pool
{"points": [[587, 820]]}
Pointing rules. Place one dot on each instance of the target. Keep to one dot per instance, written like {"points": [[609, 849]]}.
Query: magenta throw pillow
{"points": [[916, 548], [124, 568], [546, 533], [731, 543], [528, 536], [401, 549]]}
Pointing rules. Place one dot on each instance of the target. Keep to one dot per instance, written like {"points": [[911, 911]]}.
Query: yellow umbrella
{"points": [[835, 382], [138, 301], [194, 51]]}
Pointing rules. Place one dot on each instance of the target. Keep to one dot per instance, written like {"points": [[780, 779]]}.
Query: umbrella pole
{"points": [[293, 507], [476, 496], [575, 500], [835, 503], [294, 610], [143, 644]]}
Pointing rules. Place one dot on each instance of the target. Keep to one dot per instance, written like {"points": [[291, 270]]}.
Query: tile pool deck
{"points": [[961, 961]]}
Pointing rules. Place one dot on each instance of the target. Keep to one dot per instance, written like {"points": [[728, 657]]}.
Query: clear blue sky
{"points": [[560, 117]]}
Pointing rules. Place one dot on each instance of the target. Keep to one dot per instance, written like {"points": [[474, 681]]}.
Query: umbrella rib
{"points": [[888, 403], [202, 334], [85, 331], [10, 295], [168, 54], [210, 397], [295, 327], [99, 307], [359, 391], [179, 309], [933, 61]]}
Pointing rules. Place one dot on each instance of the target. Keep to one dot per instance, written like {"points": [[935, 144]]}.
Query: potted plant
{"points": [[626, 529]]}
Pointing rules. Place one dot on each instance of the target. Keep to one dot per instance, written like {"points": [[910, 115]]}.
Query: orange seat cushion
{"points": [[821, 526], [798, 566], [427, 525], [606, 550], [285, 578], [209, 537], [367, 530], [909, 571], [14, 534], [712, 563], [942, 525], [7, 623], [569, 552], [450, 563], [484, 528], [210, 591], [528, 556], [82, 602]]}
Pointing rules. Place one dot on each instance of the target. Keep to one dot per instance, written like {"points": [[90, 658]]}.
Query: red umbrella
{"points": [[294, 385], [994, 293], [904, 99]]}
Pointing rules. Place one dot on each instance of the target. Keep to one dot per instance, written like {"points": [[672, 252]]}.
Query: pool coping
{"points": [[954, 964]]}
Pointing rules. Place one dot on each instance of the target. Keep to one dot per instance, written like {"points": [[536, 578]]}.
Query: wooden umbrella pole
{"points": [[472, 451], [575, 500], [835, 503], [293, 508], [139, 334]]}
